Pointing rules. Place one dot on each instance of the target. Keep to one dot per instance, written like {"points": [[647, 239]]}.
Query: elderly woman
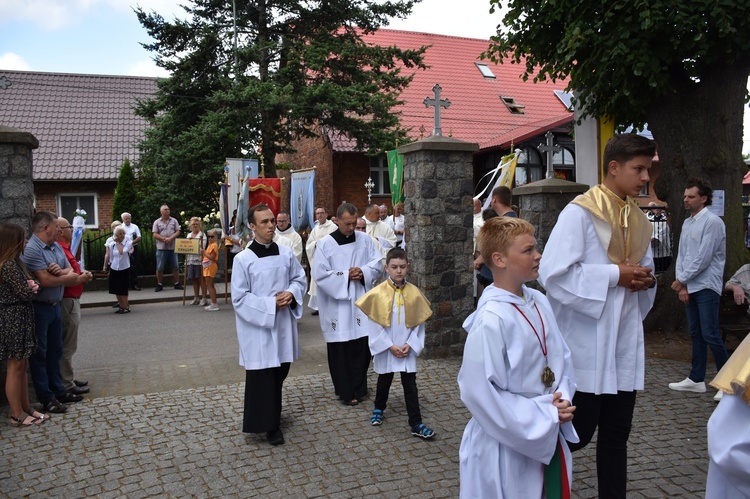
{"points": [[118, 248], [17, 338]]}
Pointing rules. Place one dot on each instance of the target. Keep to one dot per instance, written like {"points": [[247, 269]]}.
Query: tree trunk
{"points": [[698, 132]]}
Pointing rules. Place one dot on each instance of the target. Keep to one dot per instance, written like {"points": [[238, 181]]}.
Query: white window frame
{"points": [[381, 170], [91, 218]]}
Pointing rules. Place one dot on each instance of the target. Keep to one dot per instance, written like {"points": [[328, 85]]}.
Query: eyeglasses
{"points": [[212, 237]]}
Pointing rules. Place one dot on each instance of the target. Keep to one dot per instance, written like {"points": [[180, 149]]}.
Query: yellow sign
{"points": [[185, 246]]}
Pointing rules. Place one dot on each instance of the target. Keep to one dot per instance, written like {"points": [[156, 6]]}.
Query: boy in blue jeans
{"points": [[398, 311]]}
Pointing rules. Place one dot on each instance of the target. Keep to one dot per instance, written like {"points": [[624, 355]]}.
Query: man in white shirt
{"points": [[377, 229], [284, 229], [133, 233], [699, 282], [322, 228], [396, 223]]}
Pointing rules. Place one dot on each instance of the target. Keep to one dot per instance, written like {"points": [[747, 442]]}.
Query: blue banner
{"points": [[302, 200]]}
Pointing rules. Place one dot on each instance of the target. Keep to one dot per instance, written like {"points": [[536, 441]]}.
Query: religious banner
{"points": [[224, 207], [266, 190], [502, 175], [396, 176], [302, 199]]}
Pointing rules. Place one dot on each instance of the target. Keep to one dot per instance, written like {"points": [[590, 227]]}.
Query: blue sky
{"points": [[104, 36]]}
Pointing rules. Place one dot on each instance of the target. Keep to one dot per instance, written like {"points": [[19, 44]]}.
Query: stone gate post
{"points": [[16, 186]]}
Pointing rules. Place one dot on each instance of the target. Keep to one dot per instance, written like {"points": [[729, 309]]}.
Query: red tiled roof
{"points": [[477, 113], [84, 123]]}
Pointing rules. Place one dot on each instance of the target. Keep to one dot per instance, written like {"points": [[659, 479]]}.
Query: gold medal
{"points": [[548, 377]]}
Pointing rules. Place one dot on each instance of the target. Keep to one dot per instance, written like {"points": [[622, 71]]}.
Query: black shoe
{"points": [[54, 406], [315, 312], [275, 437], [69, 397], [178, 286], [116, 305], [80, 382], [158, 288], [79, 390], [135, 288]]}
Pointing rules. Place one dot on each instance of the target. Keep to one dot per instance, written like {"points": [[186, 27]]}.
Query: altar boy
{"points": [[516, 378]]}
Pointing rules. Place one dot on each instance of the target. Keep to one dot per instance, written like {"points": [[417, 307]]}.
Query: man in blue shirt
{"points": [[45, 259], [699, 282]]}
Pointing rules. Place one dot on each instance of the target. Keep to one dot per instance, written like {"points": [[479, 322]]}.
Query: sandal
{"points": [[351, 402], [40, 415], [422, 431], [377, 417], [25, 420], [123, 311]]}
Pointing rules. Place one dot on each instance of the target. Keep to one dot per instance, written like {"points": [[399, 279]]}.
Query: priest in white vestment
{"points": [[345, 267], [284, 229], [322, 228], [729, 430], [597, 269], [378, 229], [268, 286], [396, 223]]}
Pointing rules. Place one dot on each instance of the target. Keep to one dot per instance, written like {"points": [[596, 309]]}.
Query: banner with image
{"points": [[302, 199], [265, 190], [396, 176]]}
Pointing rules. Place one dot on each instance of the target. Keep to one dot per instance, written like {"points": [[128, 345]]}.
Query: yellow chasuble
{"points": [[377, 304], [736, 372], [631, 228]]}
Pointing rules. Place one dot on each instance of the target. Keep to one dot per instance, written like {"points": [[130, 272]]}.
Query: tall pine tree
{"points": [[296, 65], [126, 194]]}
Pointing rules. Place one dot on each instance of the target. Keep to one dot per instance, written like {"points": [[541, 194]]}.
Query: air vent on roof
{"points": [[513, 106], [485, 70]]}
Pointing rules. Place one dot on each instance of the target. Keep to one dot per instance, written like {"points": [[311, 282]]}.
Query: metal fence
{"points": [[94, 251], [661, 238]]}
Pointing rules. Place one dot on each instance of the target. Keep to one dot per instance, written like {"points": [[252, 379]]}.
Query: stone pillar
{"points": [[16, 185], [438, 186], [541, 202]]}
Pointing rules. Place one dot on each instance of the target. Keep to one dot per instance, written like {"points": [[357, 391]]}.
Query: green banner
{"points": [[396, 176]]}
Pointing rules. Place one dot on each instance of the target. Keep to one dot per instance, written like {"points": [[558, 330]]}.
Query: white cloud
{"points": [[146, 68], [12, 61]]}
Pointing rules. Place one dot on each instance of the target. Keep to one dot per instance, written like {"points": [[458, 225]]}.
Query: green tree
{"points": [[126, 193], [297, 66], [680, 66]]}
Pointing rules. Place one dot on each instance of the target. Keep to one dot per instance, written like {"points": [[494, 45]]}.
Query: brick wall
{"points": [[46, 194]]}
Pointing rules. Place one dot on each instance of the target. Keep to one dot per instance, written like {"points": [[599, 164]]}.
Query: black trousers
{"points": [[263, 398], [613, 415], [133, 268], [411, 395], [348, 362]]}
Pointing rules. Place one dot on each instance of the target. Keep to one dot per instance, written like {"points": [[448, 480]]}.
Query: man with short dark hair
{"points": [[268, 285], [346, 266], [699, 282], [166, 229], [45, 259], [502, 202], [133, 233]]}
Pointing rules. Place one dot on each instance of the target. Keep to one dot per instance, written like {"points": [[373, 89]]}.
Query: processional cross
{"points": [[369, 185], [437, 104], [550, 148]]}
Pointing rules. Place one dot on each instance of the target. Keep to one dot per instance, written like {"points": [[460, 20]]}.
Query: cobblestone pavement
{"points": [[187, 442]]}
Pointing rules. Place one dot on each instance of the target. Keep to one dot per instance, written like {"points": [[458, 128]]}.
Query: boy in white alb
{"points": [[398, 311], [516, 378]]}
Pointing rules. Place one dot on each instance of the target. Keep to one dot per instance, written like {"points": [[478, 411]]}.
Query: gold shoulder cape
{"points": [[631, 228], [377, 304], [736, 372]]}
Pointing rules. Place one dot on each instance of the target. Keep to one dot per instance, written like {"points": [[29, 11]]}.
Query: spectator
{"points": [[119, 268], [739, 286], [17, 338], [166, 229], [133, 233], [46, 261], [71, 314], [502, 202], [210, 267], [193, 265]]}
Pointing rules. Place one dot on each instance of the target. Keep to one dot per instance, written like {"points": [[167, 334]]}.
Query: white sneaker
{"points": [[688, 385], [211, 308], [203, 302], [196, 301], [718, 395]]}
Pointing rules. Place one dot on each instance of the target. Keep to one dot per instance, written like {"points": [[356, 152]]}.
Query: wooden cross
{"points": [[437, 104], [369, 185], [550, 148]]}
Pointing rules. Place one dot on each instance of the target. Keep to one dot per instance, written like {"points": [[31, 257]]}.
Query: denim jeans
{"points": [[703, 323], [45, 363]]}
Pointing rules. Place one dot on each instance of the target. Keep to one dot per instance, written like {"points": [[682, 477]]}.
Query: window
{"points": [[566, 98], [644, 190], [69, 203], [513, 106], [485, 70], [379, 176], [529, 168]]}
